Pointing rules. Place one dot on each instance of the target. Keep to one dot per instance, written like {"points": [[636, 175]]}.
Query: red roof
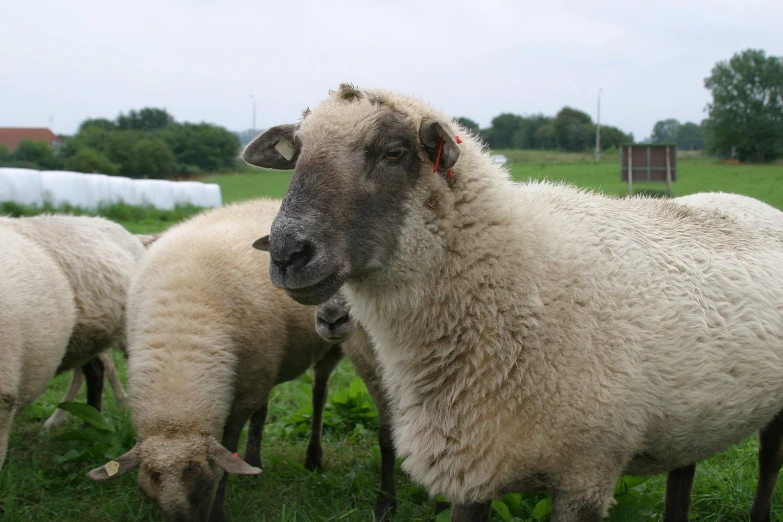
{"points": [[11, 136]]}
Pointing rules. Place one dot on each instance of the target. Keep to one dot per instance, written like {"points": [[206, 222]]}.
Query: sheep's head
{"points": [[179, 475], [360, 157], [333, 319]]}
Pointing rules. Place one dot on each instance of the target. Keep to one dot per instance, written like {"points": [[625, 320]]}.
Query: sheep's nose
{"points": [[332, 321], [290, 253]]}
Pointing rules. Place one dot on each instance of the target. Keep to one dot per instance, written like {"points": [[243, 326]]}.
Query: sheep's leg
{"points": [[110, 372], [478, 512], [93, 374], [387, 498], [584, 505], [255, 434], [7, 413], [231, 433], [59, 416], [323, 371], [770, 461], [678, 494]]}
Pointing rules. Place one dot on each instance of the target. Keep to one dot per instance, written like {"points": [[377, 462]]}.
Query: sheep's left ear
{"points": [[230, 462], [430, 134], [274, 149], [262, 243]]}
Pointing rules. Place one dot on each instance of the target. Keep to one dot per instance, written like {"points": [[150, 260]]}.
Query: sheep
{"points": [[98, 257], [531, 335], [37, 316], [208, 338], [94, 371], [334, 323], [768, 219]]}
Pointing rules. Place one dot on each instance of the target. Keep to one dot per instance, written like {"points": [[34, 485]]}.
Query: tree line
{"points": [[569, 130], [144, 143]]}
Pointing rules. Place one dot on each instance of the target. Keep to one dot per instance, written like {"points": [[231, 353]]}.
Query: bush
{"points": [[90, 160]]}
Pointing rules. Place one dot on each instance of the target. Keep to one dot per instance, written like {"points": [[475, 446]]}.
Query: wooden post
{"points": [[630, 170], [668, 171]]}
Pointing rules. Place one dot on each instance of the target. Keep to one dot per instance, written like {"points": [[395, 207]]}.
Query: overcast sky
{"points": [[202, 59]]}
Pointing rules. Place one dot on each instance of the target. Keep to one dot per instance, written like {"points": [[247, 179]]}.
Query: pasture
{"points": [[44, 477]]}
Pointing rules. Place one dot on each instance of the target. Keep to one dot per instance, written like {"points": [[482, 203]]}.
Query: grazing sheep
{"points": [[98, 257], [37, 316], [530, 335], [208, 338]]}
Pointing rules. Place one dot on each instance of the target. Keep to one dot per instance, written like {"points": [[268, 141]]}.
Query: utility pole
{"points": [[598, 129], [254, 112]]}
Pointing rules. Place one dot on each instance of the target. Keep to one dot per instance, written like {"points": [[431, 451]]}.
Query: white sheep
{"points": [[208, 338], [99, 258], [37, 316], [530, 335]]}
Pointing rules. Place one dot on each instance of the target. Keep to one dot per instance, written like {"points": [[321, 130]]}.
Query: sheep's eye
{"points": [[393, 154]]}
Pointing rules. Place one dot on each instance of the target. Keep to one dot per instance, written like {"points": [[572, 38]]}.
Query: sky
{"points": [[63, 62]]}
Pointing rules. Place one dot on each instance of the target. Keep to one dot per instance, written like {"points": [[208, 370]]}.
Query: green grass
{"points": [[34, 487]]}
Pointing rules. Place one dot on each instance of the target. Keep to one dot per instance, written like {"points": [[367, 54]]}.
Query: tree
{"points": [[574, 130], [149, 157], [469, 124], [690, 137], [665, 131], [90, 160], [501, 134], [206, 147], [37, 153], [97, 123], [746, 113], [147, 119]]}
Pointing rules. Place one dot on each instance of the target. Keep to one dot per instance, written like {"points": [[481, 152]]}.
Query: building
{"points": [[10, 137]]}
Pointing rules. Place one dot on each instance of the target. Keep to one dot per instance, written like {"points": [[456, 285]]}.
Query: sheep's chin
{"points": [[318, 293]]}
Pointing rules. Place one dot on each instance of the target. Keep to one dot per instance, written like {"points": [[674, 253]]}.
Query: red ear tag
{"points": [[451, 173], [437, 159], [458, 140], [237, 456]]}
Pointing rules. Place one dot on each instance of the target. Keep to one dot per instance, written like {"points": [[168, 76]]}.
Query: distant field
{"points": [[764, 182], [34, 486]]}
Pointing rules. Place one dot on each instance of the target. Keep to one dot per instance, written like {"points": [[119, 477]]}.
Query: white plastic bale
{"points": [[22, 186], [157, 193], [101, 190], [123, 190], [213, 196], [191, 193], [67, 188]]}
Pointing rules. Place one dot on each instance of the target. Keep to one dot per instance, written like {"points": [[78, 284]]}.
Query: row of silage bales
{"points": [[90, 191]]}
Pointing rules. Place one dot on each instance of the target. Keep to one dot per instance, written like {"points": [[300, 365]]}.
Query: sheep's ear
{"points": [[262, 243], [430, 134], [116, 468], [230, 462], [274, 149]]}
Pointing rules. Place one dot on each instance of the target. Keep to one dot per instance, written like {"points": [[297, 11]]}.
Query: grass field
{"points": [[35, 485]]}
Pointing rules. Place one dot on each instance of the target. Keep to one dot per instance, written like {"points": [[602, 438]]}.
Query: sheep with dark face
{"points": [[530, 335]]}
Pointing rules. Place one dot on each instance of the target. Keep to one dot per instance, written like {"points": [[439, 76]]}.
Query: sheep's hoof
{"points": [[385, 508], [314, 455]]}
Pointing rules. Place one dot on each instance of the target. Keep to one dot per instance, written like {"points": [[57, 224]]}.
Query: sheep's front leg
{"points": [[590, 504], [231, 433], [93, 374], [7, 413], [59, 416], [110, 372], [478, 512], [255, 435], [678, 494], [323, 371]]}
